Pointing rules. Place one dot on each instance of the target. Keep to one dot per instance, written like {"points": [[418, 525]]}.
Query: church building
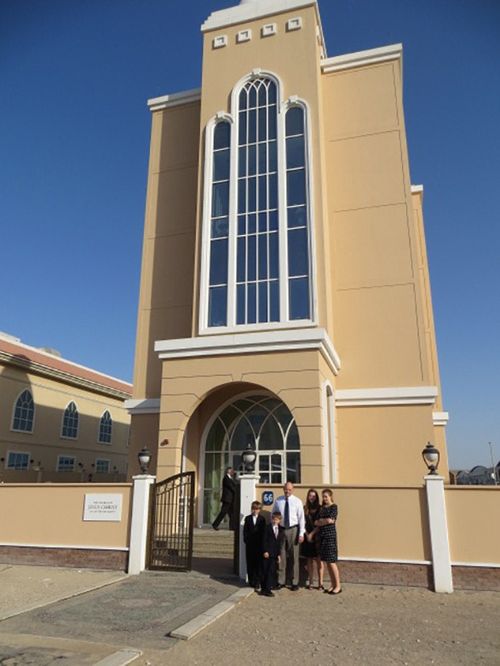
{"points": [[285, 300]]}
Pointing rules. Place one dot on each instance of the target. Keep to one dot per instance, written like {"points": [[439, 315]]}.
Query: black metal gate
{"points": [[172, 516]]}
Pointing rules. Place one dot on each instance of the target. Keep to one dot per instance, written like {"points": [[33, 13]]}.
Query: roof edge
{"points": [[360, 58], [174, 99]]}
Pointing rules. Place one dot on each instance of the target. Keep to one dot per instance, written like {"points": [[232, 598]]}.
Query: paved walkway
{"points": [[134, 613], [128, 620]]}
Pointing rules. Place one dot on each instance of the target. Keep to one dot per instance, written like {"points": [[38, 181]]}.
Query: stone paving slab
{"points": [[28, 587], [20, 649]]}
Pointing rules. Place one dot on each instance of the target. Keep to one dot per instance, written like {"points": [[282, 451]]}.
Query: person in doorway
{"points": [[293, 523], [327, 524], [310, 547], [227, 499], [253, 534], [272, 545]]}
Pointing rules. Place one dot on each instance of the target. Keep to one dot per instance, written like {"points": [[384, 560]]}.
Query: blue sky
{"points": [[74, 140]]}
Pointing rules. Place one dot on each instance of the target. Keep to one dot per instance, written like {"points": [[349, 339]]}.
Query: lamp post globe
{"points": [[144, 457], [249, 457], [431, 458]]}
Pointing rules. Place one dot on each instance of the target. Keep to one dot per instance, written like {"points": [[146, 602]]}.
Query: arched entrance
{"points": [[261, 420]]}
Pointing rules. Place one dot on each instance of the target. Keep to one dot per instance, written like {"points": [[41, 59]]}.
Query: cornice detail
{"points": [[143, 406], [361, 58], [397, 395], [174, 99], [250, 11], [440, 418], [252, 343]]}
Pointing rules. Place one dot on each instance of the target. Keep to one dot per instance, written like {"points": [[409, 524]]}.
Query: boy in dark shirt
{"points": [[271, 546], [253, 533]]}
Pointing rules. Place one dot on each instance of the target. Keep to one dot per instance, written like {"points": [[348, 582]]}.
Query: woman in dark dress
{"points": [[309, 547], [326, 522]]}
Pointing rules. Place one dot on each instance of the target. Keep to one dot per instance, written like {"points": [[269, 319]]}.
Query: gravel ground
{"points": [[363, 625]]}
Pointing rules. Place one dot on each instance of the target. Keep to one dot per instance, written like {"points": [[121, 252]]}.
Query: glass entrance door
{"points": [[270, 467], [215, 468]]}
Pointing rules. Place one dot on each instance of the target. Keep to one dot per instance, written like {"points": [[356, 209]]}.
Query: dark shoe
{"points": [[337, 592], [215, 528], [256, 588], [330, 591], [267, 593], [294, 588], [321, 588]]}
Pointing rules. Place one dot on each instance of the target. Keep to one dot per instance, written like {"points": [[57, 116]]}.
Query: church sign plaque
{"points": [[102, 507]]}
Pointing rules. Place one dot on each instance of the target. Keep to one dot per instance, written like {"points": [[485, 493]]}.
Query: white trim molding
{"points": [[252, 343], [361, 58], [440, 418], [384, 560], [174, 99], [250, 11], [484, 565], [67, 546], [397, 395], [143, 406]]}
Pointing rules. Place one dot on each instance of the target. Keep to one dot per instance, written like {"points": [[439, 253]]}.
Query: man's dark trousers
{"points": [[227, 499]]}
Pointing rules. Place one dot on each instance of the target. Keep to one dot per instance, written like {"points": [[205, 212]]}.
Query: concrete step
{"points": [[208, 543]]}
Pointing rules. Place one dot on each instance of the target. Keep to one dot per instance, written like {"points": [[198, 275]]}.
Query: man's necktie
{"points": [[287, 514]]}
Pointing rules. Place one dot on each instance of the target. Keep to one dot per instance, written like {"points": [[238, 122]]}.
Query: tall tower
{"points": [[285, 299]]}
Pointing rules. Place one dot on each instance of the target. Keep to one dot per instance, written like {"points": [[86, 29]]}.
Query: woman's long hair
{"points": [[311, 507]]}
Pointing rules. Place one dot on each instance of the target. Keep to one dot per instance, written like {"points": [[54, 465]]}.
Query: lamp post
{"points": [[144, 457], [431, 458], [249, 457]]}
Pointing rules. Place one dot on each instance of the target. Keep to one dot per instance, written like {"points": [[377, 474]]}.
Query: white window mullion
{"points": [[233, 223], [282, 210], [205, 241]]}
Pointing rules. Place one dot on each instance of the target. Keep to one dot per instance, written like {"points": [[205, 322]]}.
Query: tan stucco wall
{"points": [[166, 292], [143, 432], [473, 517], [377, 522], [48, 515], [45, 444], [378, 444], [378, 301], [295, 377]]}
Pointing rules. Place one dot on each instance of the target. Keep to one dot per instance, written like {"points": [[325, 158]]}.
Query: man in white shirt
{"points": [[293, 524]]}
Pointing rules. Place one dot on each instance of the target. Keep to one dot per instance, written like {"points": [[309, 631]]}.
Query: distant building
{"points": [[285, 297], [478, 476], [59, 421]]}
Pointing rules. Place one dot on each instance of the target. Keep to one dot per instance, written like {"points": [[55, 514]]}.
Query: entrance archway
{"points": [[259, 419]]}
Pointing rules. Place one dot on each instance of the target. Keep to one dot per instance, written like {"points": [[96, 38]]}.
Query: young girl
{"points": [[309, 547]]}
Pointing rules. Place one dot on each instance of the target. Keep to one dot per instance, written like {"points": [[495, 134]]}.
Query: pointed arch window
{"points": [[258, 271], [24, 412], [105, 428], [70, 422], [266, 424]]}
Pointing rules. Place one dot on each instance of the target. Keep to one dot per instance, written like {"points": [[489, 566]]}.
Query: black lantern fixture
{"points": [[144, 457], [249, 457], [431, 458]]}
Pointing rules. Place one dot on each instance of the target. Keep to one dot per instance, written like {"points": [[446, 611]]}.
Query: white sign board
{"points": [[103, 506]]}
